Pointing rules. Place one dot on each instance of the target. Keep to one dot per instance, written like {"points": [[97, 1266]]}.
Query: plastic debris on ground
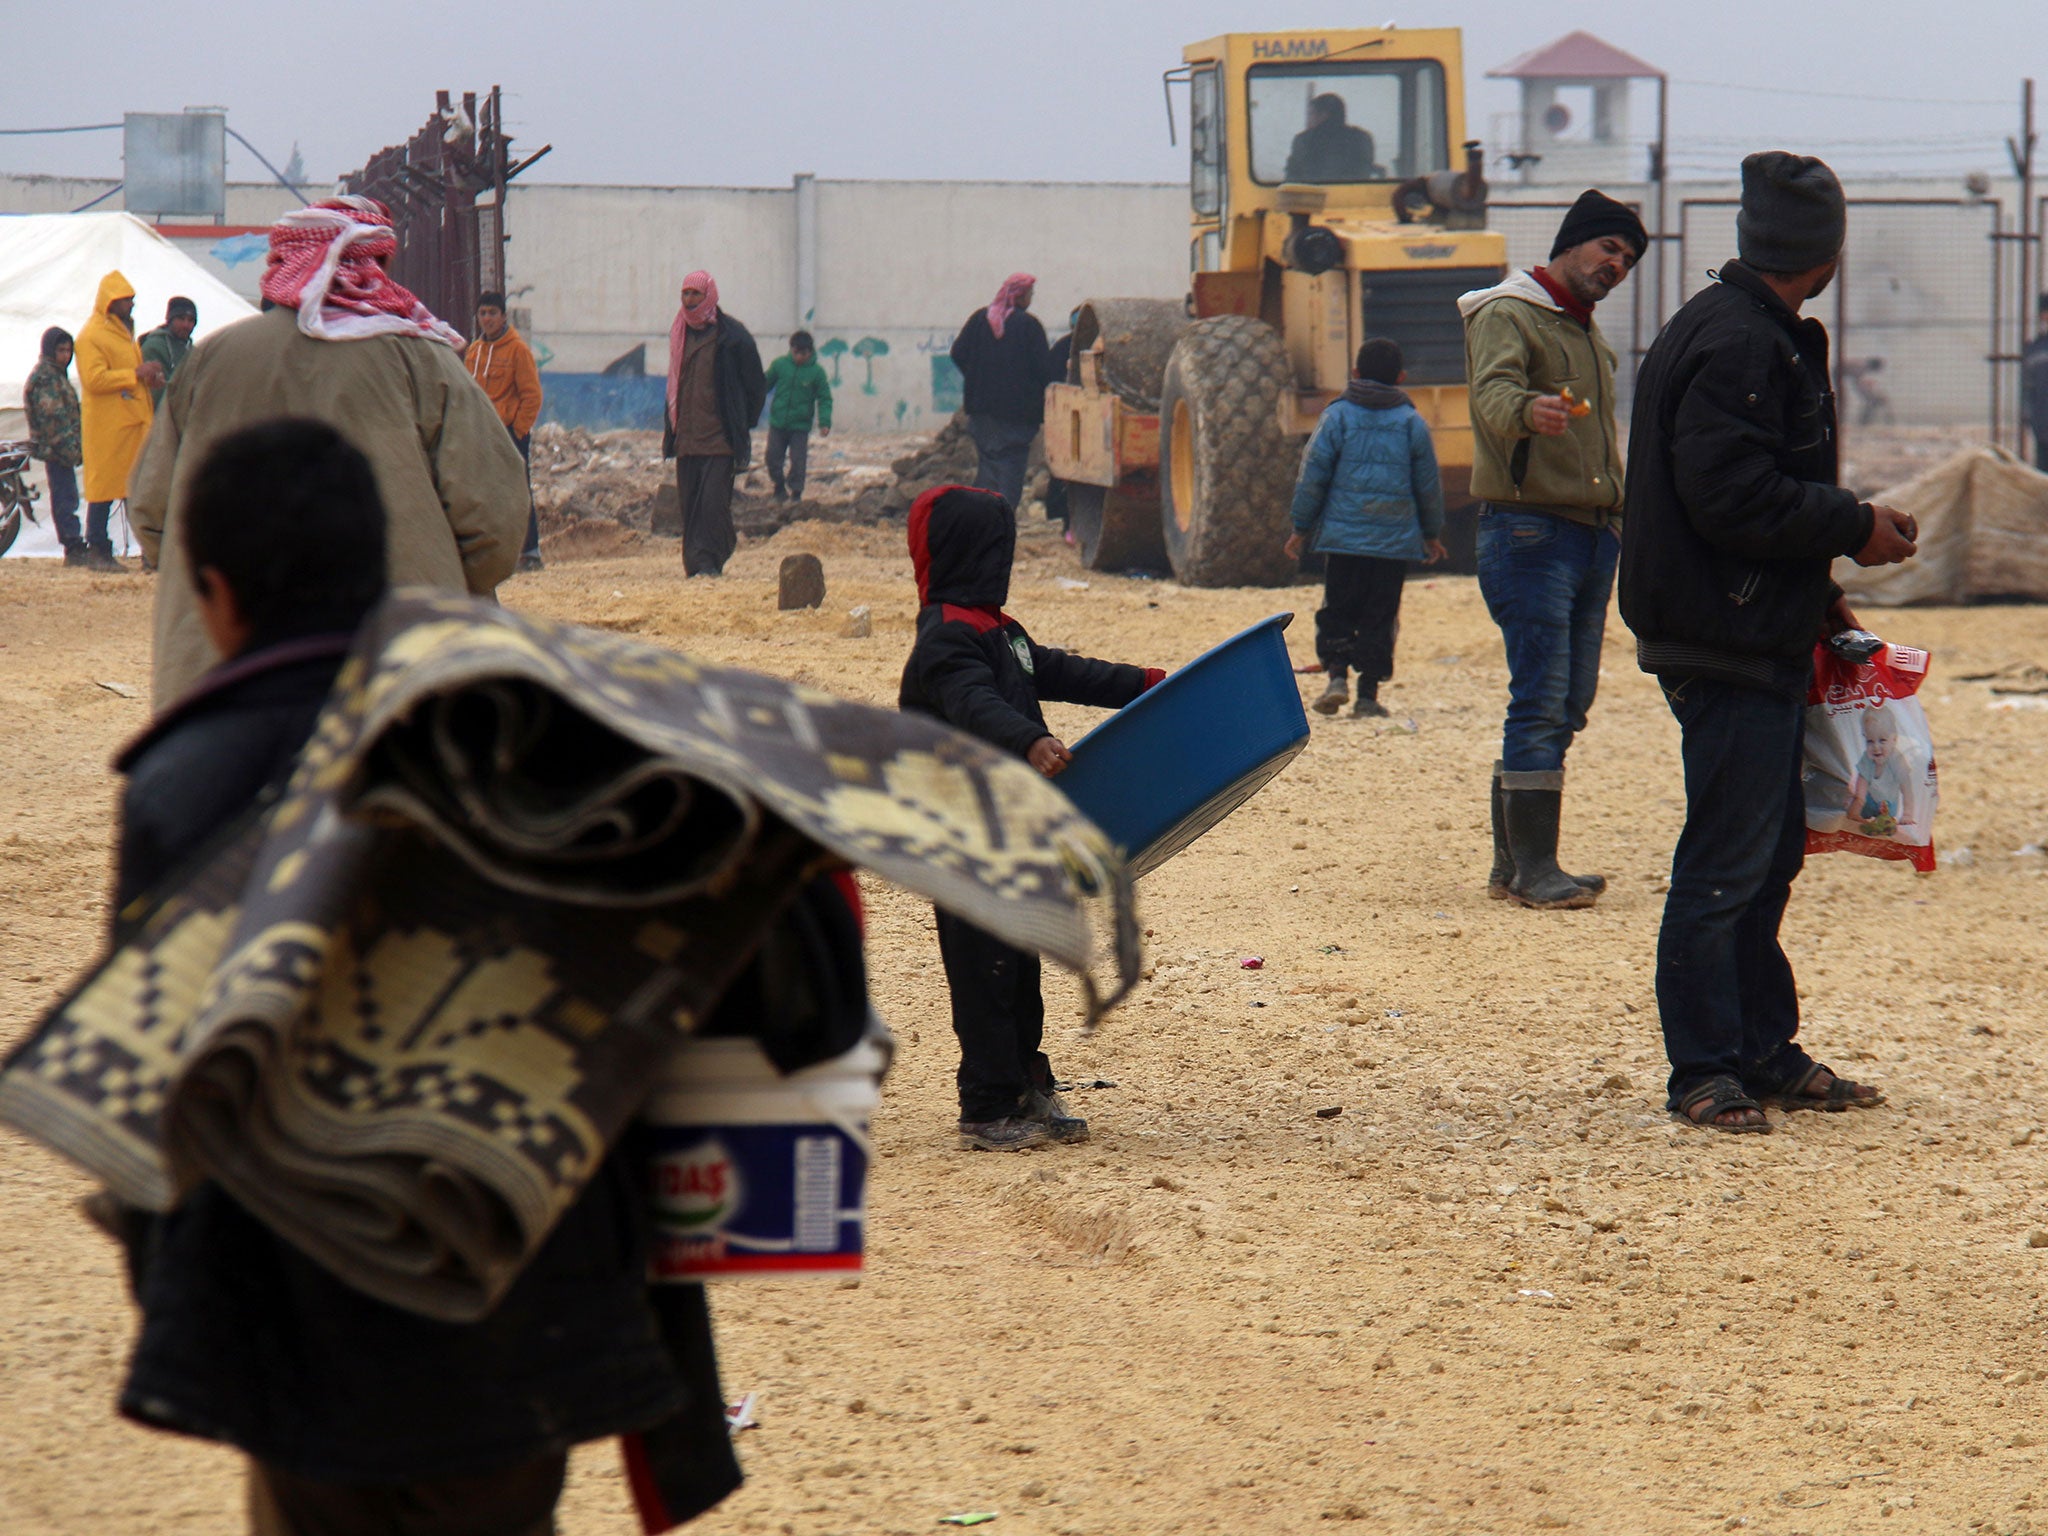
{"points": [[1252, 963], [740, 1415], [971, 1517], [1331, 1113]]}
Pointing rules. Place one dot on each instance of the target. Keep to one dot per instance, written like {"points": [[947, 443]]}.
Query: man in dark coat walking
{"points": [[716, 389], [1004, 365], [1734, 519]]}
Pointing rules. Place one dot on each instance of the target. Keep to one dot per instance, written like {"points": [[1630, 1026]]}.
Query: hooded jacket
{"points": [[167, 349], [972, 665], [505, 369], [1734, 515], [114, 407], [1519, 344], [1369, 483]]}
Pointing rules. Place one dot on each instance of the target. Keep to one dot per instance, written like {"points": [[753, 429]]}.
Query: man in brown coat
{"points": [[366, 357]]}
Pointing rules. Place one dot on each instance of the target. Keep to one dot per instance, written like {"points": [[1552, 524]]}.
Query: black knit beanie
{"points": [[181, 306], [1793, 216], [1596, 214]]}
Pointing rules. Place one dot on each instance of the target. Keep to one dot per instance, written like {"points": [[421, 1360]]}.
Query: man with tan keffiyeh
{"points": [[344, 344]]}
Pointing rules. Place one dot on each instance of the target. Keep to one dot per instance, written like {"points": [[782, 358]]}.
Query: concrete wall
{"points": [[883, 275]]}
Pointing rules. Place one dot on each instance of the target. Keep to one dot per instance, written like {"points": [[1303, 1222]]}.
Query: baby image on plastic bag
{"points": [[1869, 770]]}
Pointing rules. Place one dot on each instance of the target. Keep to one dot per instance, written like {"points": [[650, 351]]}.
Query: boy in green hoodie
{"points": [[801, 391]]}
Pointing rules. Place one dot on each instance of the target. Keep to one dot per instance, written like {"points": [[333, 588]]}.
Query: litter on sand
{"points": [[740, 1415], [1331, 1113], [125, 690], [1068, 584], [1252, 963], [972, 1517]]}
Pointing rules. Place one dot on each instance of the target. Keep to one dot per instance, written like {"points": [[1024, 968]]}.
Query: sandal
{"points": [[1715, 1098], [1840, 1094]]}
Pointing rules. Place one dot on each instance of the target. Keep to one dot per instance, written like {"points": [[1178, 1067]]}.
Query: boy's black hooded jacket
{"points": [[1734, 517], [973, 666]]}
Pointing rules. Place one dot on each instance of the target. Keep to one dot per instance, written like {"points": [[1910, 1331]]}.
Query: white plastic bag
{"points": [[1869, 770]]}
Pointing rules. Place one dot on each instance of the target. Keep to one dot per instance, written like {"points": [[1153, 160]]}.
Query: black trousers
{"points": [[518, 1500], [704, 487], [525, 447], [999, 1017], [793, 447], [1360, 616]]}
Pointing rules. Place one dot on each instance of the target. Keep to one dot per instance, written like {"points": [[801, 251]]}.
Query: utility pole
{"points": [[2021, 150]]}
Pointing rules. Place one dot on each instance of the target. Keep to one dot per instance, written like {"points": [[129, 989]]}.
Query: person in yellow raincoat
{"points": [[113, 386]]}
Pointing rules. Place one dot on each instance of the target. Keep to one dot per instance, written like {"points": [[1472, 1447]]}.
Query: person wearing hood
{"points": [[1370, 498], [1735, 522], [1005, 364], [974, 667], [1546, 466], [716, 388], [339, 341], [168, 344], [114, 381], [502, 364], [51, 405]]}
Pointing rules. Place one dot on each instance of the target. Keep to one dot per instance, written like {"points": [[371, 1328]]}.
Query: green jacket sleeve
{"points": [[1498, 353], [822, 382]]}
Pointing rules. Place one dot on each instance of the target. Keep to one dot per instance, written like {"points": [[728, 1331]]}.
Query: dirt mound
{"points": [[579, 475], [949, 458], [592, 538]]}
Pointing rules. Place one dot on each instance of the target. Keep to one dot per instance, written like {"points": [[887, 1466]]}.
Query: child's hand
{"points": [[1433, 550], [1292, 548], [1049, 756], [824, 431]]}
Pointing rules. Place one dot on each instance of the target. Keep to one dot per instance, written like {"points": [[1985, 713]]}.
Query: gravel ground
{"points": [[1500, 1292]]}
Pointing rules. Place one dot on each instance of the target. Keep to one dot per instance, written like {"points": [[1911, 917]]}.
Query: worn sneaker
{"points": [[1368, 707], [1050, 1111], [1012, 1133], [1335, 696], [99, 559]]}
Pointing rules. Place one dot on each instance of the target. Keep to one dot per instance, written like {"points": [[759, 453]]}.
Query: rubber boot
{"points": [[1532, 816], [1502, 875]]}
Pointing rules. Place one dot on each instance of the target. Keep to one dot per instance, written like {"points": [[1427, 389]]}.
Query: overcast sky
{"points": [[749, 92]]}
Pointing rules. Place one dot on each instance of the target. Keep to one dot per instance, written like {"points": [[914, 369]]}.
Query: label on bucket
{"points": [[775, 1200]]}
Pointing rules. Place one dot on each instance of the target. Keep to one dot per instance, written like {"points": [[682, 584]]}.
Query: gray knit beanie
{"points": [[1793, 216]]}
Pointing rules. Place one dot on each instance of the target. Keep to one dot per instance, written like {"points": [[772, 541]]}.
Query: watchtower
{"points": [[1574, 120]]}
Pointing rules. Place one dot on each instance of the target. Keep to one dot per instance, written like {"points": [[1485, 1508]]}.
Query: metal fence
{"points": [[1926, 316]]}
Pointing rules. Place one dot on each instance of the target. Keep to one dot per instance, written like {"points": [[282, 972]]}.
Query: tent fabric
{"points": [[50, 266], [1983, 518]]}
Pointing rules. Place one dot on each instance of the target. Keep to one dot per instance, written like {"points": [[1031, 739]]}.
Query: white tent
{"points": [[50, 268]]}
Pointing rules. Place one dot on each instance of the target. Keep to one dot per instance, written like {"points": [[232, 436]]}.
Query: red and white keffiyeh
{"points": [[688, 317], [326, 262], [1015, 286]]}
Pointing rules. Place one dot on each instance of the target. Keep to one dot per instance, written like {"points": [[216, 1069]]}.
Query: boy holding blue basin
{"points": [[1370, 498], [974, 667]]}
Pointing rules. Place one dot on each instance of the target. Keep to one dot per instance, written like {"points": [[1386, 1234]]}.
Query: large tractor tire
{"points": [[1116, 531], [1226, 470]]}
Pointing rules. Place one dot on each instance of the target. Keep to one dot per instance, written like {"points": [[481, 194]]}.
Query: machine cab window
{"points": [[1346, 123]]}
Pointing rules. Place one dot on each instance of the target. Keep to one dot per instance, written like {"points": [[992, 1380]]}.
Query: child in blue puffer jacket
{"points": [[1370, 499]]}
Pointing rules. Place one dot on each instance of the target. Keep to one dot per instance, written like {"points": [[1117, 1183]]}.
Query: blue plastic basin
{"points": [[1167, 767]]}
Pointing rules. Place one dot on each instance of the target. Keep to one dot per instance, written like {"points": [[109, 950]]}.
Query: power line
{"points": [[76, 128], [1795, 90]]}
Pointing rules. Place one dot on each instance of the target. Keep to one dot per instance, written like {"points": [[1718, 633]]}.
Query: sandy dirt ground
{"points": [[1500, 1292]]}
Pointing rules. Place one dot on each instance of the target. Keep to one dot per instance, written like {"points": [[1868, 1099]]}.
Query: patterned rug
{"points": [[401, 1011]]}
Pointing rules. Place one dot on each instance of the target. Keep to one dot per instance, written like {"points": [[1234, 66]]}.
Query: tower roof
{"points": [[1576, 56]]}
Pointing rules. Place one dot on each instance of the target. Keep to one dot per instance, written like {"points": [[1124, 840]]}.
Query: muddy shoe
{"points": [[1335, 696], [100, 557], [1050, 1111], [1369, 707], [1013, 1133]]}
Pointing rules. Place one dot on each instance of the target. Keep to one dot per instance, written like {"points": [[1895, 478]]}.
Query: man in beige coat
{"points": [[366, 357]]}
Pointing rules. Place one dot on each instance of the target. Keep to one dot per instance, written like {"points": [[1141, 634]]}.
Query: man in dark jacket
{"points": [[716, 388], [1329, 148], [2034, 386], [1734, 518], [974, 667], [359, 1416], [1004, 365]]}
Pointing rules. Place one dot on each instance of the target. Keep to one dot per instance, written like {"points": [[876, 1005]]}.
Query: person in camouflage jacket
{"points": [[54, 436]]}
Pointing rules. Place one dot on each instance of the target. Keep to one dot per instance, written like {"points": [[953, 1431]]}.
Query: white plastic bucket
{"points": [[756, 1174]]}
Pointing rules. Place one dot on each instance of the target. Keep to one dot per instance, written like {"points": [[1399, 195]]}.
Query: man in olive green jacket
{"points": [[1547, 468]]}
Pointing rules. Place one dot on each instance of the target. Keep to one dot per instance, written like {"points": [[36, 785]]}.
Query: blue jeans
{"points": [[1724, 987], [1546, 581], [63, 480]]}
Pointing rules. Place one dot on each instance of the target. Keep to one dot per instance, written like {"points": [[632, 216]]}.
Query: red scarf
{"points": [[327, 262], [1583, 313], [1015, 286], [689, 317]]}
